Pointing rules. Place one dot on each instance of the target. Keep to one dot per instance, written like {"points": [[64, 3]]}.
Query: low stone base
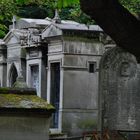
{"points": [[24, 128]]}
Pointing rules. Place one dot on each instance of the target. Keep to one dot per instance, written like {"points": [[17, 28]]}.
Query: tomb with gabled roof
{"points": [[60, 59]]}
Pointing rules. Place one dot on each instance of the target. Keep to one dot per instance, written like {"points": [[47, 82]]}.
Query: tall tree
{"points": [[117, 21]]}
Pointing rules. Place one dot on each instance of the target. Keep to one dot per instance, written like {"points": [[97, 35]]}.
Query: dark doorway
{"points": [[55, 92], [35, 77], [13, 75]]}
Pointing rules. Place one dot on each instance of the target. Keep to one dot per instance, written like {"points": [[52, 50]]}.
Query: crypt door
{"points": [[35, 77], [55, 92], [13, 75]]}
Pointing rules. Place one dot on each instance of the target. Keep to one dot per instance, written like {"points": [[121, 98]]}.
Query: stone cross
{"points": [[14, 22]]}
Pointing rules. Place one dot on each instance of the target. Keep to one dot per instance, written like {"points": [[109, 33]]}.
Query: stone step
{"points": [[56, 136], [64, 137]]}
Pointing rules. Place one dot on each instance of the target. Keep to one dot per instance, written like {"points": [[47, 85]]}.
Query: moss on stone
{"points": [[15, 90], [20, 83], [23, 101], [4, 90], [18, 98], [87, 124]]}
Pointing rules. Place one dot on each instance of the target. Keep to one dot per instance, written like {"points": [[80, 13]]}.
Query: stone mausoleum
{"points": [[77, 68]]}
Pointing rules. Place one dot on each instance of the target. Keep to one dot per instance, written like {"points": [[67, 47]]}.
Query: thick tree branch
{"points": [[116, 21]]}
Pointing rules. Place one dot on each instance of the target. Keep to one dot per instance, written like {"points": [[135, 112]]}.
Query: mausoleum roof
{"points": [[69, 22], [37, 21], [31, 32], [67, 26], [64, 25], [18, 33]]}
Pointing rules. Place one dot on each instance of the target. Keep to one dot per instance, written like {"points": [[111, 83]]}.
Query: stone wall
{"points": [[24, 128], [80, 89]]}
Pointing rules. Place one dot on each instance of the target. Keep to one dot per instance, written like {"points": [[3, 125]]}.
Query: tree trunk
{"points": [[116, 21]]}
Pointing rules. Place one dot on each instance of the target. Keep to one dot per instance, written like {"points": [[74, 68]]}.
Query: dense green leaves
{"points": [[132, 5], [34, 11], [75, 14], [7, 9], [30, 2], [65, 3]]}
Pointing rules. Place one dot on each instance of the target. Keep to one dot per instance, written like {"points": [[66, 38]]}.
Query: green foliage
{"points": [[7, 9], [34, 11], [132, 5], [30, 2], [65, 3], [75, 13], [3, 30], [2, 33]]}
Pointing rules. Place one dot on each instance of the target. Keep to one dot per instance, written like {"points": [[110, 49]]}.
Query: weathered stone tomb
{"points": [[119, 91], [23, 115]]}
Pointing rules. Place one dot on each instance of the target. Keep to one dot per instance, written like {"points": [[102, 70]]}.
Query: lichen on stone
{"points": [[20, 83], [12, 100]]}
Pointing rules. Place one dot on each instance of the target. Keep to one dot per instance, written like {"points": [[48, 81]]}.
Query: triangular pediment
{"points": [[13, 37], [51, 31]]}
